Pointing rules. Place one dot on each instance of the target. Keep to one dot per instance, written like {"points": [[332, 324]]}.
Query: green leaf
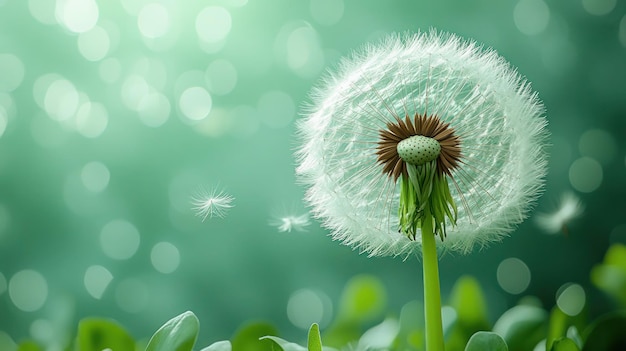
{"points": [[223, 345], [363, 299], [564, 344], [29, 345], [177, 334], [468, 300], [606, 333], [95, 334], [250, 337], [470, 308], [379, 337], [314, 340], [522, 326], [284, 344], [411, 333], [610, 276], [486, 341], [556, 326]]}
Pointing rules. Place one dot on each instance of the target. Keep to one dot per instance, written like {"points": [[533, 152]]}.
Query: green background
{"points": [[54, 203]]}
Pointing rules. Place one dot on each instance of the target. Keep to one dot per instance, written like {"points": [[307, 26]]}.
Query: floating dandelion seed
{"points": [[212, 203], [417, 128], [291, 222], [569, 208]]}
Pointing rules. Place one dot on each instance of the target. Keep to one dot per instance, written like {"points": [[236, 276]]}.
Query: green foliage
{"points": [[96, 334], [363, 300], [522, 326], [284, 344], [411, 334], [250, 337], [314, 340], [486, 341], [469, 302], [177, 334], [564, 344], [223, 345], [556, 327], [29, 345], [606, 333], [610, 275]]}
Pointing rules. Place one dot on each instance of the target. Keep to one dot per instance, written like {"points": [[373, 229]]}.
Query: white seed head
{"points": [[418, 150], [492, 109]]}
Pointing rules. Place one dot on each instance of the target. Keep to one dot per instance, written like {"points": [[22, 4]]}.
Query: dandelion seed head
{"points": [[212, 203], [497, 121], [569, 208]]}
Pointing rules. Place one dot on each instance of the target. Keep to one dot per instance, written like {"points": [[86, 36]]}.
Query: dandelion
{"points": [[418, 137], [288, 223], [212, 203], [569, 208]]}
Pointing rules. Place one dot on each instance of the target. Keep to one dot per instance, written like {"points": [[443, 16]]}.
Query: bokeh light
{"points": [[94, 44], [92, 119], [153, 20], [531, 16], [585, 174], [571, 299], [599, 7], [306, 306], [97, 278], [213, 24], [4, 120], [327, 12], [28, 290], [513, 275], [165, 257], [95, 176], [12, 72], [297, 45], [43, 10], [119, 239], [154, 109], [78, 16], [42, 330], [195, 103], [61, 99]]}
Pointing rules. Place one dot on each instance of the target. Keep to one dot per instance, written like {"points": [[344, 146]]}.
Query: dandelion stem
{"points": [[432, 297]]}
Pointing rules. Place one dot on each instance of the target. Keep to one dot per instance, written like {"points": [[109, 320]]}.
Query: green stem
{"points": [[432, 297]]}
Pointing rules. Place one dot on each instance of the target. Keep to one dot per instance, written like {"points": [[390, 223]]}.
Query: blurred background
{"points": [[115, 115]]}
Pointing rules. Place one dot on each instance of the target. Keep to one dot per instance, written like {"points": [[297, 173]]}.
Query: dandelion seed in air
{"points": [[291, 222], [213, 203], [569, 208]]}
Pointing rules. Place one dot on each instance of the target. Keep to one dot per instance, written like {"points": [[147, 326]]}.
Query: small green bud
{"points": [[418, 150]]}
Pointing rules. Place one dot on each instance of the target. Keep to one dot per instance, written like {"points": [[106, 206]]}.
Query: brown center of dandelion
{"points": [[418, 141]]}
